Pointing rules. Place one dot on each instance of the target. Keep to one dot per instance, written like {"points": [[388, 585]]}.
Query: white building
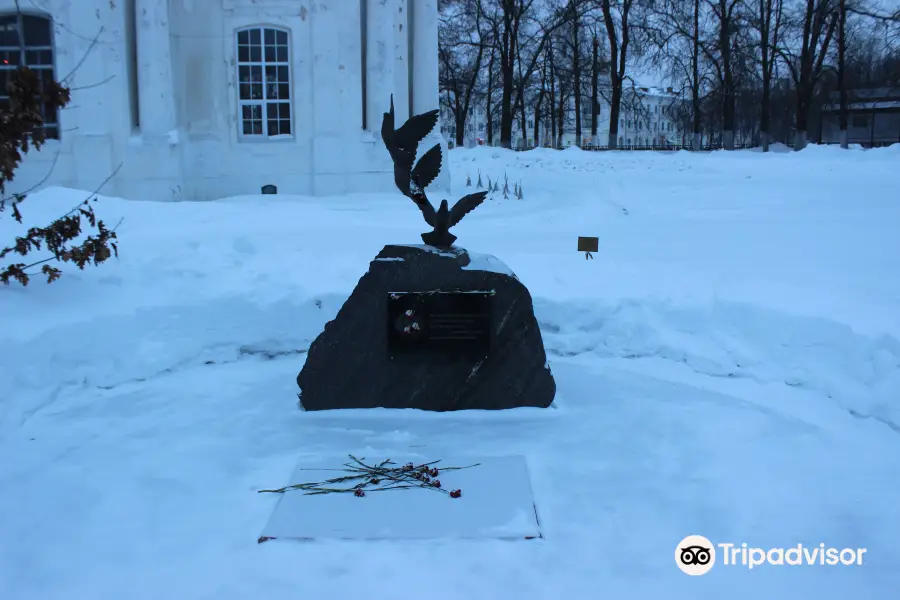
{"points": [[647, 117], [200, 99]]}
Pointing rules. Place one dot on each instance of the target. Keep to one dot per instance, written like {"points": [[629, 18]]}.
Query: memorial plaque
{"points": [[588, 244], [439, 325]]}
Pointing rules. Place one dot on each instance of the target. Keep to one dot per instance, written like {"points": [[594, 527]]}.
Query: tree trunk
{"points": [[560, 126], [576, 71], [765, 21], [460, 113], [618, 53], [728, 140], [819, 21], [538, 105], [764, 115], [489, 120], [728, 96], [507, 65], [506, 113], [520, 97], [804, 97], [842, 82], [615, 106], [553, 98], [595, 88], [695, 82], [524, 123]]}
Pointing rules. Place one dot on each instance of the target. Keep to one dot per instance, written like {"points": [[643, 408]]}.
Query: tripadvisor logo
{"points": [[696, 555]]}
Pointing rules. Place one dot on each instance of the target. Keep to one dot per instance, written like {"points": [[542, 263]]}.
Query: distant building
{"points": [[873, 119], [648, 117], [476, 124]]}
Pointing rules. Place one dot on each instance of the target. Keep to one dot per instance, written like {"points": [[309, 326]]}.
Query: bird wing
{"points": [[387, 125], [427, 209], [428, 167], [415, 129], [465, 205]]}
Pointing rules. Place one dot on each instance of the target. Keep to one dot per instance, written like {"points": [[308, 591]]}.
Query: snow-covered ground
{"points": [[728, 365]]}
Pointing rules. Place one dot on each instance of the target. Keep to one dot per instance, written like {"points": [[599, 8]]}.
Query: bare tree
{"points": [[721, 55], [461, 51], [616, 15], [554, 89], [539, 103], [675, 34], [888, 22], [508, 20], [574, 18], [767, 21], [841, 72], [744, 70], [816, 23], [596, 68]]}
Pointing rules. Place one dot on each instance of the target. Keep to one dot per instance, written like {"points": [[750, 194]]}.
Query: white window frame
{"points": [[265, 101], [51, 131]]}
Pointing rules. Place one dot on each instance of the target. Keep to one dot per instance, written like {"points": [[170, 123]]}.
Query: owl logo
{"points": [[695, 555]]}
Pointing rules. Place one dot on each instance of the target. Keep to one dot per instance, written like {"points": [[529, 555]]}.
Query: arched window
{"points": [[27, 41], [264, 82]]}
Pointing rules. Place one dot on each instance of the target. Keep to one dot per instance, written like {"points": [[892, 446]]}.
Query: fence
{"points": [[654, 148]]}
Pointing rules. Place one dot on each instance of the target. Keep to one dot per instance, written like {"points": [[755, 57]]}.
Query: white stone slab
{"points": [[496, 503]]}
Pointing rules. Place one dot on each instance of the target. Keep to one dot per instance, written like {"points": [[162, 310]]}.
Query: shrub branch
{"points": [[21, 128]]}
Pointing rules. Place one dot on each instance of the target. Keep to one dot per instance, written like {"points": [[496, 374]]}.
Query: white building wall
{"points": [[57, 161], [186, 143], [425, 84]]}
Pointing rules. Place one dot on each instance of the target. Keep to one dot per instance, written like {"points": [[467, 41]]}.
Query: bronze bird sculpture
{"points": [[443, 218], [402, 145]]}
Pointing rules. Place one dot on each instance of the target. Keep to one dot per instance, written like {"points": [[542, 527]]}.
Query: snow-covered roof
{"points": [[878, 105], [655, 91], [888, 94]]}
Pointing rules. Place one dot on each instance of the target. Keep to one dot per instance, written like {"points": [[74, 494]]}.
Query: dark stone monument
{"points": [[268, 189], [433, 330], [429, 327]]}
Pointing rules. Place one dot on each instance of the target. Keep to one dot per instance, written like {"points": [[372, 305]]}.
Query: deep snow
{"points": [[728, 366]]}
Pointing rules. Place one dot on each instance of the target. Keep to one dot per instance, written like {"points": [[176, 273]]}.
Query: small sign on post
{"points": [[588, 245]]}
